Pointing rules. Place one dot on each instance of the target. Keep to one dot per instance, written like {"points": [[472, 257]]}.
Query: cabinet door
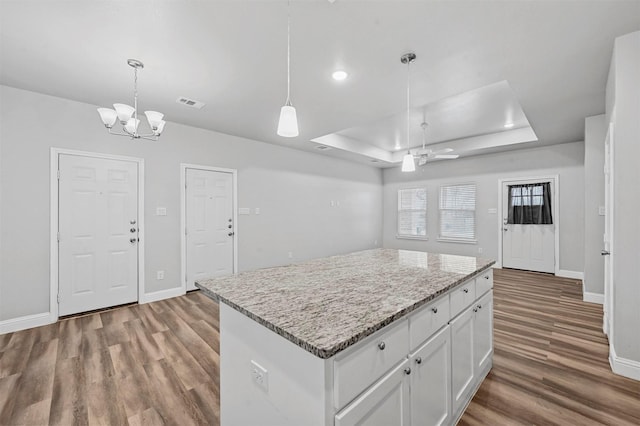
{"points": [[385, 403], [430, 376], [483, 332], [462, 361]]}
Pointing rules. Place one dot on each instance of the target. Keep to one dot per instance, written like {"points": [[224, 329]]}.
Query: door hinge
{"points": [[185, 230], [58, 174], [58, 236], [58, 298]]}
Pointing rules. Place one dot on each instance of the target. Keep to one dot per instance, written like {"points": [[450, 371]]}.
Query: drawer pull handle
{"points": [[381, 346], [418, 360], [407, 371], [466, 290], [435, 310]]}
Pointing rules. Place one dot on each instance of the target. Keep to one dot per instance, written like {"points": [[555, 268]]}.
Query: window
{"points": [[412, 213], [530, 204], [458, 212]]}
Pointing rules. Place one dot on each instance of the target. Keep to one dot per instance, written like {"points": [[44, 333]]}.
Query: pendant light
{"points": [[288, 124], [408, 163]]}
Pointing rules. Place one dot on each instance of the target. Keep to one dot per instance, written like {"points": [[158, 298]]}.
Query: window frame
{"points": [[474, 239], [424, 237]]}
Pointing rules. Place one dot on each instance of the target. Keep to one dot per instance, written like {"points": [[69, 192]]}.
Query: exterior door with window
{"points": [[528, 232], [98, 233], [209, 223]]}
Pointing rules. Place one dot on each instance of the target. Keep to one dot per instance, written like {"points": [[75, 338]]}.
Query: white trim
{"points": [[27, 321], [183, 218], [564, 273], [412, 237], [54, 195], [593, 298], [161, 295], [622, 366], [457, 240], [556, 214]]}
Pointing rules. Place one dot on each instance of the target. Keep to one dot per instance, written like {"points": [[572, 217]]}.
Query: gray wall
{"points": [[566, 160], [594, 134], [625, 83], [292, 188]]}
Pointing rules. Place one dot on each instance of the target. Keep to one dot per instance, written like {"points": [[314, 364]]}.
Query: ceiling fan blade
{"points": [[423, 160], [447, 156], [443, 151]]}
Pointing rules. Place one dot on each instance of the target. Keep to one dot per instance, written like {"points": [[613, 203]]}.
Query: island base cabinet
{"points": [[430, 377], [462, 371], [483, 333], [385, 403]]}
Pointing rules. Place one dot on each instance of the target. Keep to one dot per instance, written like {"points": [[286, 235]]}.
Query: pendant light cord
{"points": [[408, 103], [288, 52]]}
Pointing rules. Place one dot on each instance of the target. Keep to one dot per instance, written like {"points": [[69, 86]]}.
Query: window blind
{"points": [[412, 212], [458, 212]]}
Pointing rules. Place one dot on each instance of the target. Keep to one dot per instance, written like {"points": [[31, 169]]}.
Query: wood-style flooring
{"points": [[158, 364]]}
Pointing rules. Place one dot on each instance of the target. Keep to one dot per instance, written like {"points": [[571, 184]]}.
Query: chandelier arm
{"points": [[149, 137], [112, 132]]}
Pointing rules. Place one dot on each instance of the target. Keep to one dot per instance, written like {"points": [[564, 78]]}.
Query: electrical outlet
{"points": [[260, 375], [160, 275]]}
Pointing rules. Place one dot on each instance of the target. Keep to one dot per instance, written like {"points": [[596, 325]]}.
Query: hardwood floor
{"points": [[158, 364], [550, 363]]}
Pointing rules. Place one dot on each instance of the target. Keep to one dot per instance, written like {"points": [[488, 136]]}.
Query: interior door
{"points": [[527, 247], [209, 225], [98, 233], [607, 323]]}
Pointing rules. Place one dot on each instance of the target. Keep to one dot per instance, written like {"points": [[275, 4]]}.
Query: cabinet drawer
{"points": [[484, 282], [462, 296], [427, 320], [357, 369]]}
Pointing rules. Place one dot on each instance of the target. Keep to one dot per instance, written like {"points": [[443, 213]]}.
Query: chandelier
{"points": [[128, 115]]}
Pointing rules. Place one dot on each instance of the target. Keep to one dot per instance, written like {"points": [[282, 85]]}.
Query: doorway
{"points": [[209, 223], [607, 323], [96, 230], [529, 224]]}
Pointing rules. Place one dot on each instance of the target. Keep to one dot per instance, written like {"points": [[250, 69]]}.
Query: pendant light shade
{"points": [[408, 165], [288, 124]]}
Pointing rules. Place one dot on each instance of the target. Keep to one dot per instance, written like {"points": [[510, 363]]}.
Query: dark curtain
{"points": [[530, 204]]}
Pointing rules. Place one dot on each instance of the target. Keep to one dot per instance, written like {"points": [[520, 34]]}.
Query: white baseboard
{"points": [[162, 294], [622, 366], [593, 298], [577, 275], [27, 321]]}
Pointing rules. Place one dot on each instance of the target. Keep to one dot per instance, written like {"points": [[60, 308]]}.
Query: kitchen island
{"points": [[382, 336]]}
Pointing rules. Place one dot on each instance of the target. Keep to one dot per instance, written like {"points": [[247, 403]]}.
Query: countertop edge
{"points": [[325, 353]]}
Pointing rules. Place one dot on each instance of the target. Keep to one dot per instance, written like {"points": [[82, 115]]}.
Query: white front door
{"points": [[98, 233], [209, 225], [607, 324], [528, 247]]}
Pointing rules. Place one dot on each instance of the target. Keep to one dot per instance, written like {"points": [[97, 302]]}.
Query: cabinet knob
{"points": [[486, 277], [381, 346], [435, 310], [418, 360], [479, 306], [407, 371], [475, 309], [466, 290]]}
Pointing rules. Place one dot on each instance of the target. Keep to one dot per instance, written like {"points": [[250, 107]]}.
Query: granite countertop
{"points": [[326, 305]]}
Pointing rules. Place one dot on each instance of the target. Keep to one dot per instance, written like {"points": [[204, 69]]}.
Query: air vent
{"points": [[190, 103], [323, 147]]}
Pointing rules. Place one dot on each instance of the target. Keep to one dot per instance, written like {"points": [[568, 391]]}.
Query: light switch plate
{"points": [[492, 210], [260, 375], [244, 210], [601, 211], [257, 210], [161, 211]]}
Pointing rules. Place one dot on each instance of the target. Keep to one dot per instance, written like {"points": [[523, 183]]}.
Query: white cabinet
{"points": [[483, 333], [430, 378], [385, 403], [462, 360]]}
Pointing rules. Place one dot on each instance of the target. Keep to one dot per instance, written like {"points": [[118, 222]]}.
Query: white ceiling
{"points": [[547, 59]]}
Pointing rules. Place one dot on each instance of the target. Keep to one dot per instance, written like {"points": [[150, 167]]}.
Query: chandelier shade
{"points": [[127, 115]]}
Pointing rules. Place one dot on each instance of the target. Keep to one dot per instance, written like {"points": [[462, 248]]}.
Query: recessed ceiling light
{"points": [[508, 125], [339, 75]]}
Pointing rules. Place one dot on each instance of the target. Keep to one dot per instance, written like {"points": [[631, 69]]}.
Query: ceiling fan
{"points": [[423, 155]]}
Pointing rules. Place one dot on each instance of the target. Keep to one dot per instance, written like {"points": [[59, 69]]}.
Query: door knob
{"points": [[419, 360], [230, 226], [132, 240], [231, 234], [132, 230], [505, 229], [133, 222], [605, 253]]}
